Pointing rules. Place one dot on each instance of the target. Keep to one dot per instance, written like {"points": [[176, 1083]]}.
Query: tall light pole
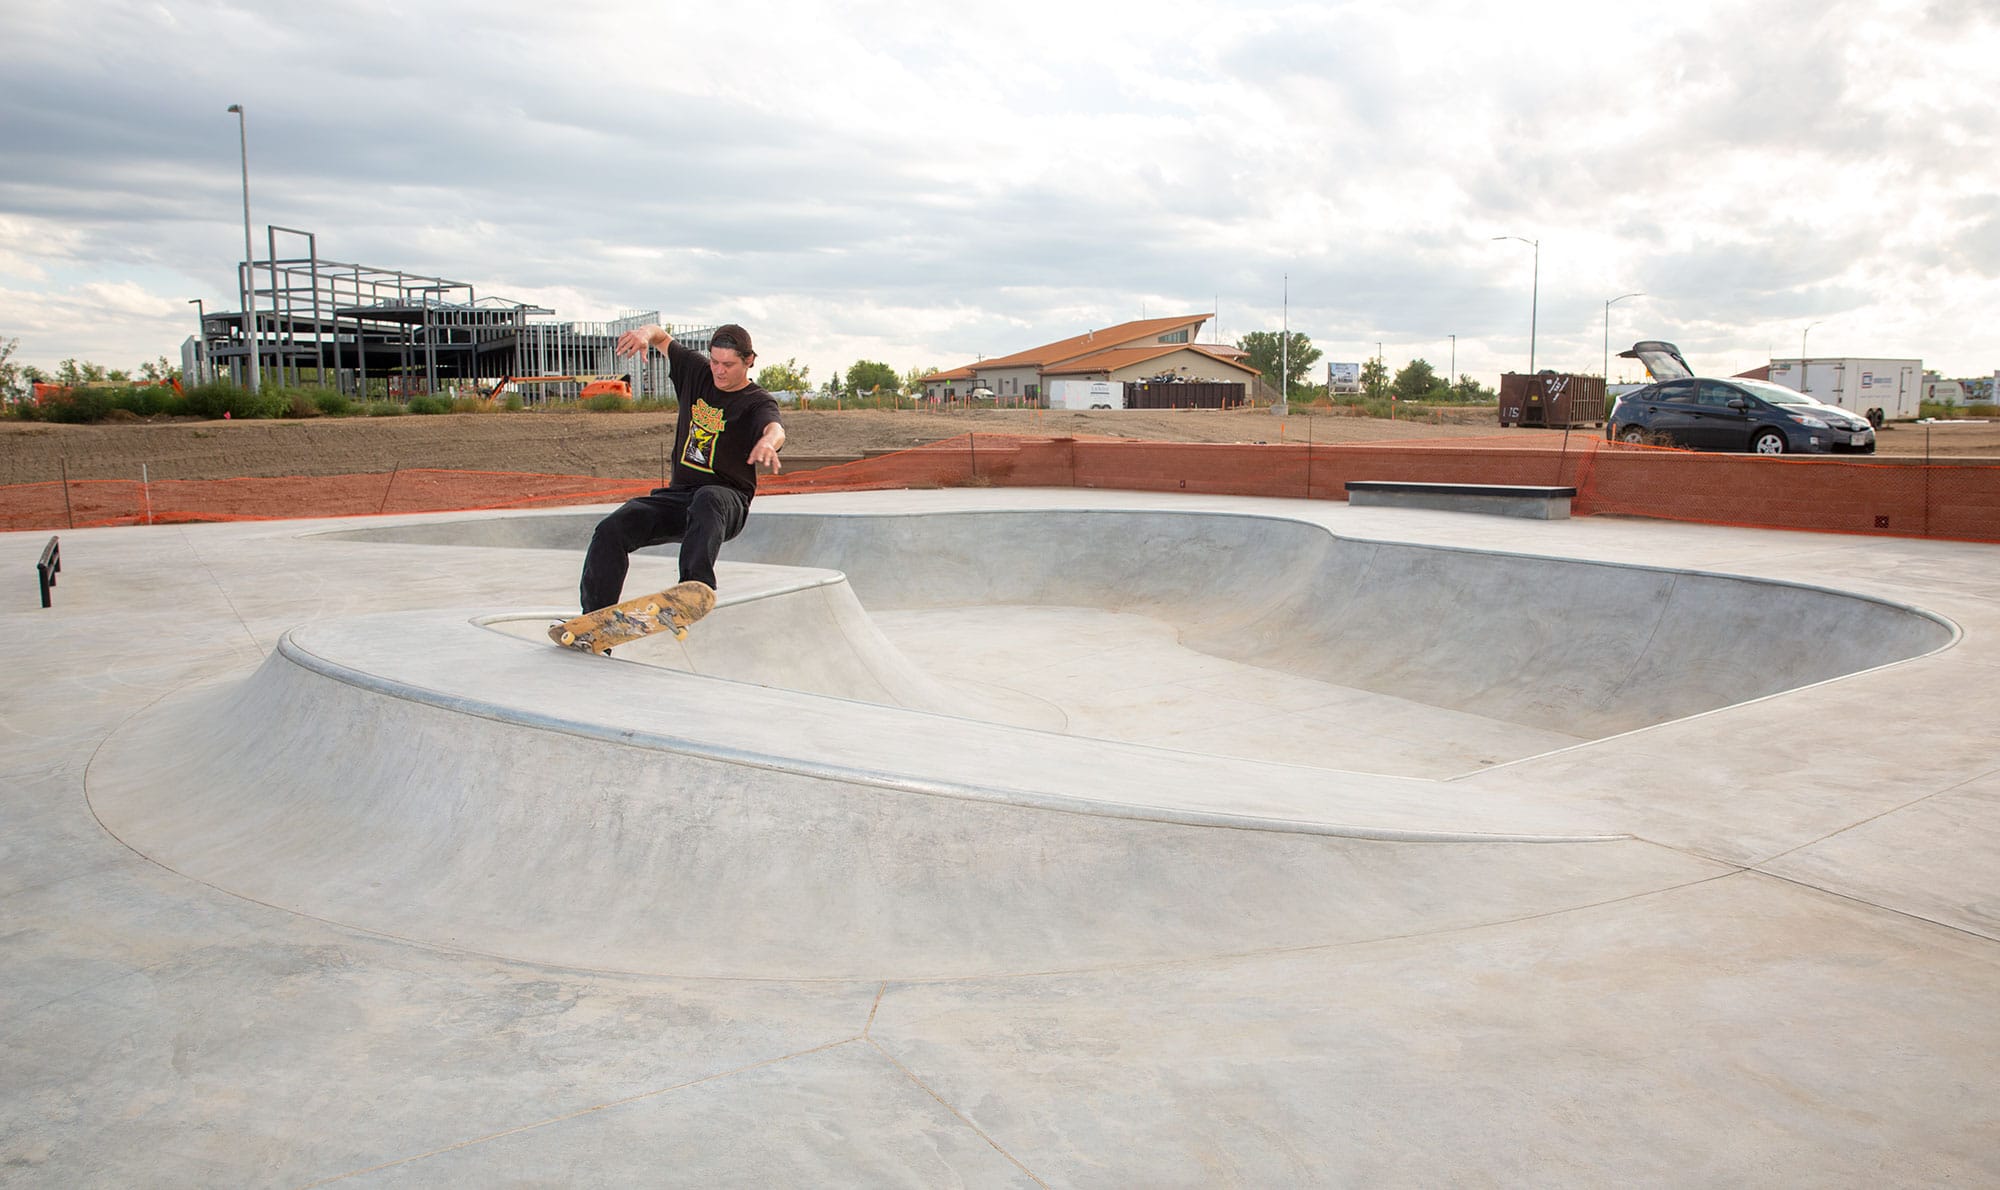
{"points": [[1535, 298], [1453, 378], [1607, 330], [1803, 366], [249, 283]]}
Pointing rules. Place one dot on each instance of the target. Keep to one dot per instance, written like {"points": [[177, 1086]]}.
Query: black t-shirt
{"points": [[715, 430]]}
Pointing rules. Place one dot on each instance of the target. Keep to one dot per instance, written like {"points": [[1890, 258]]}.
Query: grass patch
{"points": [[1942, 410]]}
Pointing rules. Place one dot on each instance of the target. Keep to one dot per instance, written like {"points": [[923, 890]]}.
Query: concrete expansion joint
{"points": [[955, 1111], [1854, 898]]}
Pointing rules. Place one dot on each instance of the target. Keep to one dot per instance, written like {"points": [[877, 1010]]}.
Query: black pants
{"points": [[701, 520]]}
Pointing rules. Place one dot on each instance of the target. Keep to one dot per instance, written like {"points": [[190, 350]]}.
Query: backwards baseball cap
{"points": [[733, 337]]}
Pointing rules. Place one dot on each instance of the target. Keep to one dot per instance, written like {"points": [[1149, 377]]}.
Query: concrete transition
{"points": [[950, 842], [1165, 842]]}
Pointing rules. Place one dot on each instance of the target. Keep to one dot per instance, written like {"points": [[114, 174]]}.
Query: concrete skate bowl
{"points": [[496, 795], [1555, 650]]}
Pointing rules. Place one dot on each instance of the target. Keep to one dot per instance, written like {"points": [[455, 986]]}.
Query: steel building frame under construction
{"points": [[342, 324]]}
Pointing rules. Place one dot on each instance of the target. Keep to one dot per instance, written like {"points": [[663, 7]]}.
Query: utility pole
{"points": [[1285, 348], [249, 253], [1607, 331], [1535, 298]]}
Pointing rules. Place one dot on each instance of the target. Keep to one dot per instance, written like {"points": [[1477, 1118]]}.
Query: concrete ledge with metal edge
{"points": [[1518, 500]]}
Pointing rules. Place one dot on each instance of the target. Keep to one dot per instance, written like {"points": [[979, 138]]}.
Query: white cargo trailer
{"points": [[1895, 386], [1086, 394]]}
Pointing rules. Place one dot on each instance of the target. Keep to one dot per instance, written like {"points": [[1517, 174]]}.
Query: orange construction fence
{"points": [[1839, 494]]}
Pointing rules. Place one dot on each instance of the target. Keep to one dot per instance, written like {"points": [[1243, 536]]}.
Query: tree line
{"points": [[17, 380], [1416, 382], [865, 378]]}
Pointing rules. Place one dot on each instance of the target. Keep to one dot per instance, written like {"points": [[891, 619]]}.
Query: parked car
{"points": [[1709, 413]]}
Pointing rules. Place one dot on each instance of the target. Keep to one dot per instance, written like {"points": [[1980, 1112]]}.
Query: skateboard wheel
{"points": [[652, 609], [680, 634], [569, 638]]}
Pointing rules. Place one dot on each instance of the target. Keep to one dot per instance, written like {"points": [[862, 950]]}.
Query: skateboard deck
{"points": [[671, 610]]}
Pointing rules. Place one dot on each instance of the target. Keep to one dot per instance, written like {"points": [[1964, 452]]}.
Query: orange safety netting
{"points": [[1840, 494], [85, 503]]}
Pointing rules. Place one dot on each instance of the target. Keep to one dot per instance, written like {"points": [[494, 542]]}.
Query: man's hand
{"points": [[640, 341], [765, 452]]}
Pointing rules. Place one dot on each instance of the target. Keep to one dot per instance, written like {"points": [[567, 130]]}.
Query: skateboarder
{"points": [[726, 429]]}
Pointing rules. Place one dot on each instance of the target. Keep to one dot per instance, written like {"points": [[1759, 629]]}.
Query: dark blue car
{"points": [[1733, 414]]}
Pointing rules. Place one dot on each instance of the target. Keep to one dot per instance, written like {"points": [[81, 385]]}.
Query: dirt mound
{"points": [[622, 445], [635, 445]]}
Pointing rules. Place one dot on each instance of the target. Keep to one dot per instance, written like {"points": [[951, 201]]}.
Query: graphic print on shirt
{"points": [[704, 427]]}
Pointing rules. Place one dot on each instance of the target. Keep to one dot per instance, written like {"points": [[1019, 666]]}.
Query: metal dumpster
{"points": [[1551, 400]]}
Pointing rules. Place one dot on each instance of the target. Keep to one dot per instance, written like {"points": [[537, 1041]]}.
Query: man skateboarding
{"points": [[726, 428]]}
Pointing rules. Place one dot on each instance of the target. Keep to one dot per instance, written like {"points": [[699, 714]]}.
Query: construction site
{"points": [[371, 331]]}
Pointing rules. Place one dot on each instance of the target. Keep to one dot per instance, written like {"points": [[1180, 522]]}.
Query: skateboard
{"points": [[604, 629]]}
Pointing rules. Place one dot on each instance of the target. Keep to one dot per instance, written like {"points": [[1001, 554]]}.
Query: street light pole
{"points": [[1535, 298], [1607, 330], [249, 285], [1285, 349], [1803, 366]]}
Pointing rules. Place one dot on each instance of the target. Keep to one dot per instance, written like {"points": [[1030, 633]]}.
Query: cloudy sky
{"points": [[927, 183]]}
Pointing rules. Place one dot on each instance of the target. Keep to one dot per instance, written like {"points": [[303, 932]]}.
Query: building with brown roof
{"points": [[1129, 352]]}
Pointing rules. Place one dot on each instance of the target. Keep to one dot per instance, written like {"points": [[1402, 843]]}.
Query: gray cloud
{"points": [[985, 186]]}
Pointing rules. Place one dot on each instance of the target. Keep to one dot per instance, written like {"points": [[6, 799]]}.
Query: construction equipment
{"points": [[590, 384]]}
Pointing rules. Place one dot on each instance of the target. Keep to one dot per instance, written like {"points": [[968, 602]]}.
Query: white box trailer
{"points": [[1086, 394], [1895, 386]]}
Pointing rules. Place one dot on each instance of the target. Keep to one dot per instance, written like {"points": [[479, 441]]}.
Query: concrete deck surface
{"points": [[1005, 838]]}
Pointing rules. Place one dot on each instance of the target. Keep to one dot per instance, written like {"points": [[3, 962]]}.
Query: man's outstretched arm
{"points": [[638, 341]]}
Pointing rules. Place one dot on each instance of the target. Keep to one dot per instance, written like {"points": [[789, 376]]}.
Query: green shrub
{"points": [[470, 405], [84, 405], [217, 399], [430, 405], [1941, 410], [148, 400], [333, 403], [607, 403], [77, 406], [514, 403], [385, 409], [308, 400]]}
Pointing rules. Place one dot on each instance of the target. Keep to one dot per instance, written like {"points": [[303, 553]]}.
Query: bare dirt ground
{"points": [[634, 445], [604, 444]]}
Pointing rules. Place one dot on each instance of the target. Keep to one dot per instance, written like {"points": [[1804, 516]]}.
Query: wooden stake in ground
{"points": [[387, 488]]}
